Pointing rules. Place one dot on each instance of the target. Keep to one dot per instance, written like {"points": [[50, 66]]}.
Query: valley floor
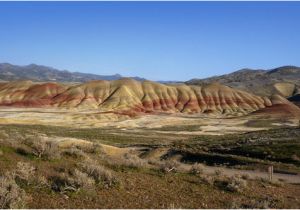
{"points": [[183, 124]]}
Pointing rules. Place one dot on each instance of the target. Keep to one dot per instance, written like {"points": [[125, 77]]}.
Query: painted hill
{"points": [[283, 80], [9, 72], [130, 96]]}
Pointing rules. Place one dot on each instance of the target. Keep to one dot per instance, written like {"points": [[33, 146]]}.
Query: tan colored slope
{"points": [[128, 95], [285, 89]]}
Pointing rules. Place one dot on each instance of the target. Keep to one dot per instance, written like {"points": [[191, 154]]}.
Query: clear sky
{"points": [[155, 40]]}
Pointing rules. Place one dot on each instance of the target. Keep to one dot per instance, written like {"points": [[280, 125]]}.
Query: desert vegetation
{"points": [[87, 174]]}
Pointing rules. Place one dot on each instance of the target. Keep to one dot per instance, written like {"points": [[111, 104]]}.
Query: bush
{"points": [[42, 181], [11, 195], [90, 148], [99, 172], [24, 150], [74, 152], [25, 172], [197, 168], [218, 172], [165, 165], [3, 135], [42, 148], [134, 161], [207, 179], [245, 176], [129, 160], [65, 182], [169, 165], [236, 184], [62, 183], [81, 180]]}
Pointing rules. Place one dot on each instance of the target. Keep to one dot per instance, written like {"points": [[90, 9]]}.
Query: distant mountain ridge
{"points": [[40, 73], [284, 80]]}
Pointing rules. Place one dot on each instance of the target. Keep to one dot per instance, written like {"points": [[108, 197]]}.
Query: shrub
{"points": [[197, 168], [65, 182], [263, 203], [24, 150], [81, 180], [74, 152], [207, 179], [16, 140], [295, 157], [169, 165], [25, 172], [42, 148], [218, 172], [277, 183], [166, 165], [268, 182], [90, 148], [62, 183], [11, 195], [98, 172], [129, 160], [235, 184], [245, 176], [3, 135], [42, 181]]}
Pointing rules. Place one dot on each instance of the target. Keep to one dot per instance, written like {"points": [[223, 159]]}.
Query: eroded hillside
{"points": [[129, 96]]}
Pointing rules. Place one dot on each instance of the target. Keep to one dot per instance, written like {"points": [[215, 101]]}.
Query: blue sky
{"points": [[155, 40]]}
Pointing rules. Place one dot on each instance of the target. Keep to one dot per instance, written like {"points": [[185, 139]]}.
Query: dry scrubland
{"points": [[61, 167]]}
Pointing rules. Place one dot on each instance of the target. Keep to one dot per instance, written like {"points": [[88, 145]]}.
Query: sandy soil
{"points": [[208, 125]]}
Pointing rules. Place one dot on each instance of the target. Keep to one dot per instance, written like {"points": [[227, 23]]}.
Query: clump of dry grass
{"points": [[11, 195]]}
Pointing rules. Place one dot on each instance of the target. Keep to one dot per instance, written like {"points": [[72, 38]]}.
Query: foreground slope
{"points": [[130, 96]]}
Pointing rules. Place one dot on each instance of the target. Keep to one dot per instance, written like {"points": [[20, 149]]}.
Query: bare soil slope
{"points": [[131, 97]]}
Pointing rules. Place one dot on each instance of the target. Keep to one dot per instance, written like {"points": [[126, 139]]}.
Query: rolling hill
{"points": [[283, 80], [128, 96]]}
